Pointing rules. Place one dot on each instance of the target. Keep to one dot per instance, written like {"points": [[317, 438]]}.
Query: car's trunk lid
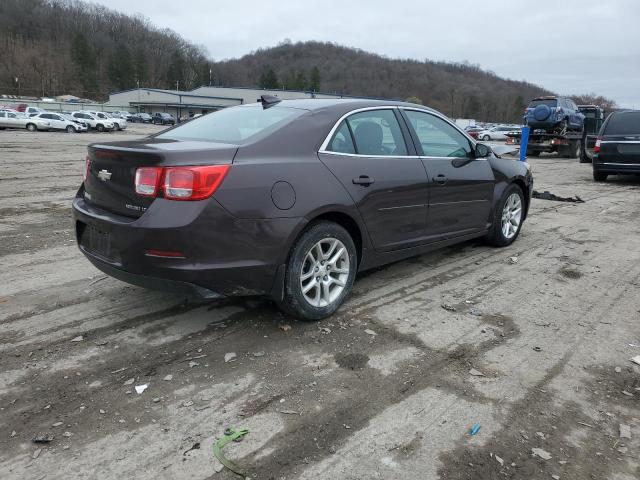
{"points": [[110, 182]]}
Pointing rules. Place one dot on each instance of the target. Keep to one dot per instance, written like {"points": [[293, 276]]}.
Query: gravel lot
{"points": [[382, 390]]}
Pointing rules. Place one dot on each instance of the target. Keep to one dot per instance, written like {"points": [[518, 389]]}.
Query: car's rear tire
{"points": [[535, 153], [599, 176], [32, 127], [70, 129], [320, 271], [508, 217]]}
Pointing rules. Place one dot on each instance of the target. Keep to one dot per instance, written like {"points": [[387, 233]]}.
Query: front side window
{"points": [[437, 137], [377, 132], [342, 141], [238, 125]]}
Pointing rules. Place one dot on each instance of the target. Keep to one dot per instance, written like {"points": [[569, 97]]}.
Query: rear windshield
{"points": [[623, 123], [238, 125], [548, 102]]}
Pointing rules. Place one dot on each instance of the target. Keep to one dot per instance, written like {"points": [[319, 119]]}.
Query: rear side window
{"points": [[342, 141], [437, 137], [547, 102], [623, 123], [237, 125], [377, 132]]}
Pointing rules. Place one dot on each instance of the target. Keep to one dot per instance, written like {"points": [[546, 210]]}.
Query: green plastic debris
{"points": [[230, 435]]}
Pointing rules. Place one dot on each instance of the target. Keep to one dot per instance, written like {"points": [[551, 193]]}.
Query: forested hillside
{"points": [[460, 90], [54, 47]]}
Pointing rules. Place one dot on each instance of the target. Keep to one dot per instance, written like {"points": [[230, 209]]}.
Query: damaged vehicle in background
{"points": [[58, 121], [290, 199], [553, 113]]}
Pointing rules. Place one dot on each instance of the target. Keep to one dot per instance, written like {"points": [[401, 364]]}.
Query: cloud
{"points": [[570, 46]]}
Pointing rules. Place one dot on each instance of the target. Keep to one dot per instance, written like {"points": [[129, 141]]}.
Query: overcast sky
{"points": [[567, 46]]}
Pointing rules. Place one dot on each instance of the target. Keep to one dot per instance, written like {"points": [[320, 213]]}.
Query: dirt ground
{"points": [[382, 390]]}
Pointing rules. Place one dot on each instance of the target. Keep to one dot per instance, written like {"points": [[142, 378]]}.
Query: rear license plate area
{"points": [[629, 148], [96, 241]]}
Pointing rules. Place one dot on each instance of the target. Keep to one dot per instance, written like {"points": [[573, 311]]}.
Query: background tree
{"points": [[314, 83], [269, 80]]}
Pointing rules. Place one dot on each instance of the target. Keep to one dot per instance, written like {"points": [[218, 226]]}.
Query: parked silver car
{"points": [[118, 123], [20, 120], [57, 121]]}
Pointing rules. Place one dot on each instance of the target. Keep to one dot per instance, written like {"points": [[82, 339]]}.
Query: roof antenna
{"points": [[268, 101]]}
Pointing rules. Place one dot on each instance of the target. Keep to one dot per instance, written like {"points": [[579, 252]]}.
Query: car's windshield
{"points": [[548, 102], [237, 125], [623, 123]]}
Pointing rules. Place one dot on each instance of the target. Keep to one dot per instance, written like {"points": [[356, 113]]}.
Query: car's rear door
{"points": [[460, 186], [620, 140], [369, 154]]}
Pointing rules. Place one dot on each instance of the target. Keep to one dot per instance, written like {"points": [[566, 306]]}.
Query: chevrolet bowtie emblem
{"points": [[104, 175]]}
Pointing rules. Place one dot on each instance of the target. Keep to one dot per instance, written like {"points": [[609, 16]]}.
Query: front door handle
{"points": [[364, 180], [440, 179]]}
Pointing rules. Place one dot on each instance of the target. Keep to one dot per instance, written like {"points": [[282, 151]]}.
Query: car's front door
{"points": [[371, 157], [460, 186]]}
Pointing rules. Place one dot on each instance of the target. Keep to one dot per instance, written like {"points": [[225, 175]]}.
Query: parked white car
{"points": [[20, 120], [495, 133], [119, 123], [99, 124], [57, 121]]}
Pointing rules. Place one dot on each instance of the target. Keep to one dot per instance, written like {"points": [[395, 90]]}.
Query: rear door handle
{"points": [[363, 180], [440, 179]]}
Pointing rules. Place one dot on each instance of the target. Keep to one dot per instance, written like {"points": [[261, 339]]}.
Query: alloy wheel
{"points": [[324, 272], [511, 215]]}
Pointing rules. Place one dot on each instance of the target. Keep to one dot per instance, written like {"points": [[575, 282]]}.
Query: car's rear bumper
{"points": [[614, 167], [222, 255]]}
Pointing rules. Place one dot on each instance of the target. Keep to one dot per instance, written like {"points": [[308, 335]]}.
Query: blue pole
{"points": [[524, 140]]}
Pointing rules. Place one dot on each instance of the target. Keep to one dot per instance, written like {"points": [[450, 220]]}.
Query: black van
{"points": [[617, 149]]}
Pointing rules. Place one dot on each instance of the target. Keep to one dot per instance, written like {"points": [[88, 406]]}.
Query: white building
{"points": [[201, 100]]}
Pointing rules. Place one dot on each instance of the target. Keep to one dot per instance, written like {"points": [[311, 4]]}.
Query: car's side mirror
{"points": [[482, 150]]}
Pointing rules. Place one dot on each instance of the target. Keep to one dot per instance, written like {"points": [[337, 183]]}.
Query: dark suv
{"points": [[161, 118], [554, 113], [617, 148]]}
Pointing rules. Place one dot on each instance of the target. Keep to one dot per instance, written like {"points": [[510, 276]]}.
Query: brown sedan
{"points": [[291, 199]]}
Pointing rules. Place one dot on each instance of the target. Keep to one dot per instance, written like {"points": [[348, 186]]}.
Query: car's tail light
{"points": [[596, 147], [87, 167], [148, 181], [180, 183], [193, 183]]}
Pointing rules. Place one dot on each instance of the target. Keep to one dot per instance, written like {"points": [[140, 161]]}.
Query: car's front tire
{"points": [[508, 216], [100, 127], [32, 127], [70, 129], [320, 271], [486, 138]]}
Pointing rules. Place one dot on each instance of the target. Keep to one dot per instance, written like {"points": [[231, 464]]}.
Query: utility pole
{"points": [[209, 77], [177, 83]]}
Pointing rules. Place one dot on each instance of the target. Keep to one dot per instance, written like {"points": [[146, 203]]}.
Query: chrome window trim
{"points": [[621, 141], [325, 144]]}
